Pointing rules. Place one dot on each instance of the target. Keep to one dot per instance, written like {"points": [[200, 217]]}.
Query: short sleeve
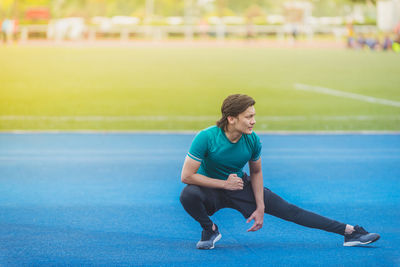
{"points": [[198, 149], [257, 149]]}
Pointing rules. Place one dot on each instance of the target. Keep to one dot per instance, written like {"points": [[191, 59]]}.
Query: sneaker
{"points": [[209, 238], [359, 237]]}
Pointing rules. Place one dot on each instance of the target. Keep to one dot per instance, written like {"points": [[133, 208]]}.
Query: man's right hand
{"points": [[233, 182]]}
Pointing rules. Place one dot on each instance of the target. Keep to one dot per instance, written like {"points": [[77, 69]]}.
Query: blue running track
{"points": [[113, 200]]}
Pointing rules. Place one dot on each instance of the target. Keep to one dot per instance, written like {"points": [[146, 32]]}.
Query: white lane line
{"points": [[192, 118], [329, 118], [329, 91], [159, 152], [107, 118], [192, 132]]}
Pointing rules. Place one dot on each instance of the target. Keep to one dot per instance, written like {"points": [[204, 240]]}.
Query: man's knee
{"points": [[190, 193]]}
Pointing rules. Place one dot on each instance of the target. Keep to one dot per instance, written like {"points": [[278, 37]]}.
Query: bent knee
{"points": [[190, 193]]}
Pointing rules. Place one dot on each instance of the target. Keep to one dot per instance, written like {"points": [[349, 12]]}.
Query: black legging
{"points": [[202, 202]]}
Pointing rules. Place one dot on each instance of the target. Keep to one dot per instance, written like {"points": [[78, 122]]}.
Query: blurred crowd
{"points": [[387, 42], [9, 29]]}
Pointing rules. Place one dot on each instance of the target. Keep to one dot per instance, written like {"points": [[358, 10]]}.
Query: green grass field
{"points": [[137, 88]]}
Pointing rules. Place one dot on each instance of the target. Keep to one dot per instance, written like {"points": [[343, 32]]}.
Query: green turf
{"points": [[191, 82]]}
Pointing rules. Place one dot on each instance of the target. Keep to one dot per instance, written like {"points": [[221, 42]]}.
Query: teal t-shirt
{"points": [[220, 157]]}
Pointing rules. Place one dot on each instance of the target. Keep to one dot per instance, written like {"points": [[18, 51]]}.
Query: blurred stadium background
{"points": [[100, 68], [28, 20], [167, 65]]}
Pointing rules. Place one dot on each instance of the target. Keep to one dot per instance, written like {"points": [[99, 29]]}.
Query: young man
{"points": [[213, 172]]}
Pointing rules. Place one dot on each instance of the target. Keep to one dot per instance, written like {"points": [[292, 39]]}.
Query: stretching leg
{"points": [[278, 207]]}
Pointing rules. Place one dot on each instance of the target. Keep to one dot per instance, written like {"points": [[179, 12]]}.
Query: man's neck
{"points": [[232, 135]]}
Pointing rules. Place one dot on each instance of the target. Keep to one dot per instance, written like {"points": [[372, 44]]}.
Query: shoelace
{"points": [[360, 230], [206, 235]]}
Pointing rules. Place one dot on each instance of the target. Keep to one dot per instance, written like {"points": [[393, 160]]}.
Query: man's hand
{"points": [[258, 217], [233, 182]]}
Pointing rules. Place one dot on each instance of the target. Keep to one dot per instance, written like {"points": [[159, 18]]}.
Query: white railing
{"points": [[219, 32]]}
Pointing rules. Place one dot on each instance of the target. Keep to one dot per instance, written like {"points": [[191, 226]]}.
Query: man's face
{"points": [[245, 121]]}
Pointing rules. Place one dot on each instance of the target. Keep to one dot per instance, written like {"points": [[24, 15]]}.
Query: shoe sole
{"points": [[358, 243], [215, 241]]}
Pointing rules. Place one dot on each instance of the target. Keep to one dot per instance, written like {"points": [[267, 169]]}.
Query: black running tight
{"points": [[202, 202]]}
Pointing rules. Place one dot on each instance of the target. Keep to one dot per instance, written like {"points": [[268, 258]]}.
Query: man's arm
{"points": [[258, 189], [189, 175]]}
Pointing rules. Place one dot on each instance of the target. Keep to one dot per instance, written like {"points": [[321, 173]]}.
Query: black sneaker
{"points": [[209, 238], [359, 237]]}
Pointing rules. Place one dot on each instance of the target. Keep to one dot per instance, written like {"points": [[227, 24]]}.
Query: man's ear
{"points": [[231, 119]]}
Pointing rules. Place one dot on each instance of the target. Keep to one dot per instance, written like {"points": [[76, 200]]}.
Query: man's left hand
{"points": [[258, 217]]}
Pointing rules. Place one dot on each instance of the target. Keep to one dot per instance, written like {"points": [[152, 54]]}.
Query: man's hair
{"points": [[233, 105]]}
